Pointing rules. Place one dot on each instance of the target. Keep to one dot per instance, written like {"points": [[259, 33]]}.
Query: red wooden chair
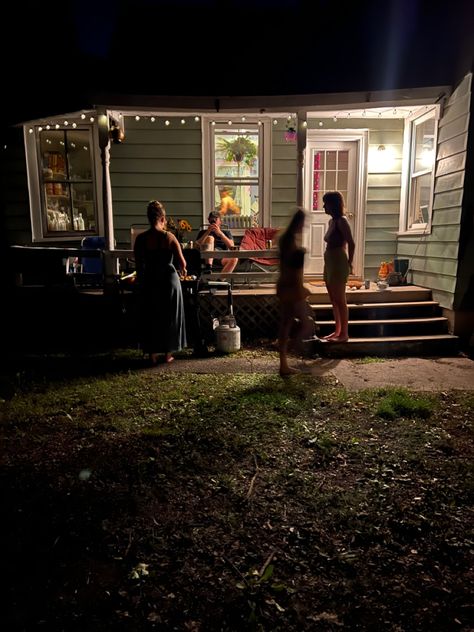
{"points": [[256, 239]]}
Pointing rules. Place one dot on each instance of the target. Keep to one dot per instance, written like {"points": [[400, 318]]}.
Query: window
{"points": [[236, 167], [66, 182], [422, 160], [330, 172], [62, 178]]}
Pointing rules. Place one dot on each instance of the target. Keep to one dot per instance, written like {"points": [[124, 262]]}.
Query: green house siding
{"points": [[434, 257], [156, 162], [16, 222], [283, 196]]}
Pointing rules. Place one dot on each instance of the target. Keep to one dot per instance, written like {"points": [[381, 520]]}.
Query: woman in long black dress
{"points": [[157, 252]]}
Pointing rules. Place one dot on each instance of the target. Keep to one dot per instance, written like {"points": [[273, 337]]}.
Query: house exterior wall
{"points": [[16, 222], [156, 162], [434, 257], [382, 201]]}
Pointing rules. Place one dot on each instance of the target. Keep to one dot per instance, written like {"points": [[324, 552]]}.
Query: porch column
{"points": [[110, 264], [300, 149]]}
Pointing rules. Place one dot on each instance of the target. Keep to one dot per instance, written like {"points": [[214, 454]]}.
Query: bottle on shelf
{"points": [[80, 222]]}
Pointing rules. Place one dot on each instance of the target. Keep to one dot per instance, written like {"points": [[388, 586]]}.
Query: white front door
{"points": [[331, 165]]}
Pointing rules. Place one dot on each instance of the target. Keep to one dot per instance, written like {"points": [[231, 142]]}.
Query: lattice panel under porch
{"points": [[257, 316]]}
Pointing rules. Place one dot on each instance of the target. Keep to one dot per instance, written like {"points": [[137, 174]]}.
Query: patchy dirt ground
{"points": [[143, 500], [421, 374]]}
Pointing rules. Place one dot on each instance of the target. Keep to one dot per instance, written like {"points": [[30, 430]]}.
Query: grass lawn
{"points": [[136, 500]]}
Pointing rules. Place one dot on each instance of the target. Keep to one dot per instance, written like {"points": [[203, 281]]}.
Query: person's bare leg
{"points": [[285, 326], [335, 311], [343, 314], [228, 265]]}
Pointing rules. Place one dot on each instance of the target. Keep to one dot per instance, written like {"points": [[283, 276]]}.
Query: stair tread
{"points": [[322, 306], [380, 339], [389, 321]]}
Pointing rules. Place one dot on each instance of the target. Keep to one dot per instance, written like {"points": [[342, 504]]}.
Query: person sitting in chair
{"points": [[216, 238]]}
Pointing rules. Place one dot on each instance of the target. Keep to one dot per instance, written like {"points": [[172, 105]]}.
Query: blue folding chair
{"points": [[92, 265]]}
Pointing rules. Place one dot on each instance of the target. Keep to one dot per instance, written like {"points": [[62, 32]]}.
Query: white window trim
{"points": [[34, 186], [407, 175], [264, 164]]}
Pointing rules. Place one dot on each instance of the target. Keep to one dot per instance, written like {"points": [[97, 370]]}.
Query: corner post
{"points": [[110, 265], [300, 149]]}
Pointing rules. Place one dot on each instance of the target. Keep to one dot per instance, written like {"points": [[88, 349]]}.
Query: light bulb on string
{"points": [[152, 119], [183, 122], [167, 123], [196, 118]]}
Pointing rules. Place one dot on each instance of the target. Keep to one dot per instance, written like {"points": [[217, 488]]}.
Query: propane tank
{"points": [[227, 336]]}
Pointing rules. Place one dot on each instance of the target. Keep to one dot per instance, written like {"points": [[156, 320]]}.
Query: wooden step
{"points": [[389, 327], [392, 295], [443, 344], [377, 311]]}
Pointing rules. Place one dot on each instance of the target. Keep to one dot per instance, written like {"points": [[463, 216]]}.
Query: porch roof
{"points": [[323, 104]]}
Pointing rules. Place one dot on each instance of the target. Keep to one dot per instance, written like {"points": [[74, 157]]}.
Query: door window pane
{"points": [[330, 173]]}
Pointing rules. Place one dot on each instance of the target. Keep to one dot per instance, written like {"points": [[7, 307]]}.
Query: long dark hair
{"points": [[295, 226], [155, 211], [336, 200]]}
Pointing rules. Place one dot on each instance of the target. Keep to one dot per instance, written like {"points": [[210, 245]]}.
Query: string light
{"points": [[196, 118], [152, 119], [137, 118], [275, 122], [83, 116], [167, 122], [66, 123], [183, 121]]}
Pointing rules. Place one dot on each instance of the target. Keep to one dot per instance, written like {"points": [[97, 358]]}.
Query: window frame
{"points": [[38, 211], [410, 177], [264, 157]]}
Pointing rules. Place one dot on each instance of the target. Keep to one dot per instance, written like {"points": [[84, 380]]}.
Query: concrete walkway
{"points": [[421, 374]]}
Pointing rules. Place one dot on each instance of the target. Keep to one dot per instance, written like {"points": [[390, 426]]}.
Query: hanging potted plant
{"points": [[240, 149], [290, 134]]}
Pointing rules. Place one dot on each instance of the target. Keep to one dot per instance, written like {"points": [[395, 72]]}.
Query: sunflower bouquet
{"points": [[179, 227]]}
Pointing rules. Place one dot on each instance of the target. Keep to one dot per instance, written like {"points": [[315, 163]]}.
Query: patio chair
{"points": [[256, 239], [89, 270]]}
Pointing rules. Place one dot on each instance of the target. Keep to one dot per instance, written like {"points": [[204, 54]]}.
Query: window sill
{"points": [[415, 232]]}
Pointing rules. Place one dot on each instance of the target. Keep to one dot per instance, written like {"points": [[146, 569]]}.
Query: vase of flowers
{"points": [[179, 228]]}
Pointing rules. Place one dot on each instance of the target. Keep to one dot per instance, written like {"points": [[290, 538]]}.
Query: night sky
{"points": [[56, 55]]}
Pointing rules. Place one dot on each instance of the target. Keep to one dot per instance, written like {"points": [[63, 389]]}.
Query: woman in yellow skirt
{"points": [[338, 258]]}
